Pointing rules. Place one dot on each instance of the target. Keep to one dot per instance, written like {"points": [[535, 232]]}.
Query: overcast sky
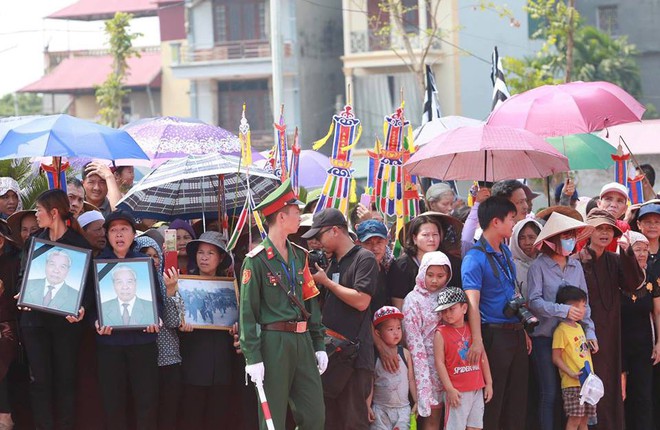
{"points": [[24, 34]]}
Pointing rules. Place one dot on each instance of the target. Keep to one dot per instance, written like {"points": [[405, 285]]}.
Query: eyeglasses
{"points": [[322, 232]]}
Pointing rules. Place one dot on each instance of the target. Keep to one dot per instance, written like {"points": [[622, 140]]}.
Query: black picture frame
{"points": [[143, 310], [46, 259], [204, 311]]}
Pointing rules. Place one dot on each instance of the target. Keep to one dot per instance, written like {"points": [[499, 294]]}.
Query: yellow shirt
{"points": [[574, 351]]}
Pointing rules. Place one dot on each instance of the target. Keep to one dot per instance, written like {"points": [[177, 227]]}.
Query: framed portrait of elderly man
{"points": [[54, 280], [125, 293], [210, 302]]}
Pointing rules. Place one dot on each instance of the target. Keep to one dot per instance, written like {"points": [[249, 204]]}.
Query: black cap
{"points": [[326, 218], [120, 214]]}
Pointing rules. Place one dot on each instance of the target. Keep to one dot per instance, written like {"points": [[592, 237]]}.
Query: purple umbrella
{"points": [[313, 167], [168, 137]]}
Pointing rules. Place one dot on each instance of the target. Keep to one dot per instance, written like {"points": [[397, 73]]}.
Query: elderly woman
{"points": [[10, 200], [607, 275], [169, 355], [440, 198], [523, 251], [128, 359], [207, 354]]}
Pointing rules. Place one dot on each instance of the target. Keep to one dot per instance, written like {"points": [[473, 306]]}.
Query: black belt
{"points": [[288, 326], [505, 326]]}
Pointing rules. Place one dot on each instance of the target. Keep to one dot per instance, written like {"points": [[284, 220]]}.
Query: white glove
{"points": [[321, 361], [256, 372]]}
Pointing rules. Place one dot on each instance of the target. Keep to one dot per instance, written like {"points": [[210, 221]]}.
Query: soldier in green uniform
{"points": [[280, 320]]}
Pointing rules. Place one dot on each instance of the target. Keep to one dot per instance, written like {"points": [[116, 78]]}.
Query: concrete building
{"points": [[70, 77], [459, 55], [639, 20], [227, 57]]}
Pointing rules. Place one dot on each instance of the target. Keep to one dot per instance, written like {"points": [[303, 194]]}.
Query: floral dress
{"points": [[419, 323]]}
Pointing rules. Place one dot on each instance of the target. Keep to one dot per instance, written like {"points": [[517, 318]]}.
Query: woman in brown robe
{"points": [[607, 274]]}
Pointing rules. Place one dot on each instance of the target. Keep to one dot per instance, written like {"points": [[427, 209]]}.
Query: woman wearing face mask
{"points": [[552, 270]]}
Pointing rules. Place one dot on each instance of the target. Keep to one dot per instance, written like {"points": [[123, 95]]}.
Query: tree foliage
{"points": [[111, 93], [25, 104], [596, 56]]}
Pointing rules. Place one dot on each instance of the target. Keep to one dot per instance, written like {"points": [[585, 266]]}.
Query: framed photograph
{"points": [[211, 302], [126, 293], [54, 279]]}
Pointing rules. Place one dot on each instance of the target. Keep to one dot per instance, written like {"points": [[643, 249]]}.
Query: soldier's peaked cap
{"points": [[281, 197]]}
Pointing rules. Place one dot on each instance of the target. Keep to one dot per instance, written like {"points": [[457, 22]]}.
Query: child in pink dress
{"points": [[420, 323]]}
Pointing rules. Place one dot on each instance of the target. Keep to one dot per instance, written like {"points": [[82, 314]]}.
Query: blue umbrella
{"points": [[68, 136]]}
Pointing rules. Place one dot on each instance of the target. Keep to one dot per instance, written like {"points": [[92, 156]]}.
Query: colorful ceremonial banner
{"points": [[636, 190], [393, 185], [56, 174], [295, 164], [244, 139], [279, 150], [345, 129], [635, 185]]}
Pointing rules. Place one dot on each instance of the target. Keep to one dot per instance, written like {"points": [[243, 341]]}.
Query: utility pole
{"points": [[276, 57]]}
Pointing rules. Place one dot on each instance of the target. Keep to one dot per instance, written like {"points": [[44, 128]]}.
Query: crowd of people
{"points": [[492, 315]]}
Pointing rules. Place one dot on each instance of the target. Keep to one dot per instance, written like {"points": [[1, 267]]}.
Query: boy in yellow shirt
{"points": [[570, 351]]}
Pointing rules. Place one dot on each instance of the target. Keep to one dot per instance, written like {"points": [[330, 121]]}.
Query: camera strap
{"points": [[495, 265], [290, 293]]}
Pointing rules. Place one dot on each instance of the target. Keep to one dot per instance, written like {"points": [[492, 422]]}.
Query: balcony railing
{"points": [[242, 49], [366, 41]]}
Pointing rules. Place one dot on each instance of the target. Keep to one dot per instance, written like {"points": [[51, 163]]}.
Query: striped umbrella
{"points": [[189, 187]]}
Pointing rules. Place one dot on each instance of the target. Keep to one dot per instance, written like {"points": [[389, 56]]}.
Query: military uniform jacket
{"points": [[263, 301]]}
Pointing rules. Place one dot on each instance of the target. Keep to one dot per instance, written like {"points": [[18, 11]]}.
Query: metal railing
{"points": [[367, 41], [242, 49]]}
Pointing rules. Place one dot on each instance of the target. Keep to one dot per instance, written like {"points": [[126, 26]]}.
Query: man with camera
{"points": [[489, 281], [350, 281]]}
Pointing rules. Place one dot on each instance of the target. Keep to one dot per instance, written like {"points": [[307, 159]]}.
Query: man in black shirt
{"points": [[350, 282]]}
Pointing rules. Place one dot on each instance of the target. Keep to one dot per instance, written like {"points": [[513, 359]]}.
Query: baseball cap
{"points": [[448, 297], [371, 228], [648, 209], [326, 218], [592, 390], [386, 313], [614, 187], [120, 215]]}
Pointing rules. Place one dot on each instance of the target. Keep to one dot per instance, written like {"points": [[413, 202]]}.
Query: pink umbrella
{"points": [[642, 137], [487, 153], [576, 107]]}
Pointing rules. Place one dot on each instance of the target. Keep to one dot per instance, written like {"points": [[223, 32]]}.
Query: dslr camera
{"points": [[516, 306], [317, 256]]}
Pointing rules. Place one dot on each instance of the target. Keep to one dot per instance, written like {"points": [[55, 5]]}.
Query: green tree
{"points": [[24, 104], [572, 51], [111, 93]]}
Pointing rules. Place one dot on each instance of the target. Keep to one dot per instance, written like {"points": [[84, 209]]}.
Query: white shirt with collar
{"points": [[131, 303], [56, 288]]}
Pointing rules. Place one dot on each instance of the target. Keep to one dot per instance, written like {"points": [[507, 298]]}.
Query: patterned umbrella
{"points": [[168, 137], [190, 187]]}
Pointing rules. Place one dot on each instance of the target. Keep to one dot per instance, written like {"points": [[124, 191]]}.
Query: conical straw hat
{"points": [[558, 224]]}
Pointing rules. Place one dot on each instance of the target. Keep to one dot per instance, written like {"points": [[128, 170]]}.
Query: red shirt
{"points": [[463, 376]]}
